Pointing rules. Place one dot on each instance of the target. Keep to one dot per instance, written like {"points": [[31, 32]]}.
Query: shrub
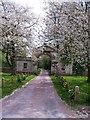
{"points": [[38, 71], [19, 78], [24, 77], [72, 94]]}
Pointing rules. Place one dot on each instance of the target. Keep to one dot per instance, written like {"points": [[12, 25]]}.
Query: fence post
{"points": [[68, 88], [12, 80], [2, 82], [76, 97]]}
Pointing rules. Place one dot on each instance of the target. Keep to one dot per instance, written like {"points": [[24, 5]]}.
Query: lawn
{"points": [[9, 85], [74, 81]]}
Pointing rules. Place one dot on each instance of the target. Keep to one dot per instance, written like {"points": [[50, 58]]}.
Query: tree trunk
{"points": [[10, 57], [11, 64], [88, 80], [13, 71], [88, 11]]}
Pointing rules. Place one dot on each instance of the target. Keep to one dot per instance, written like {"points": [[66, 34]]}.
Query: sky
{"points": [[37, 4]]}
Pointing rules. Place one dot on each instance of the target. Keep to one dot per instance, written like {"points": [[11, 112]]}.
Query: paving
{"points": [[37, 99]]}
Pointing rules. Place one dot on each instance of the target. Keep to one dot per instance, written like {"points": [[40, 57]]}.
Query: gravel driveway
{"points": [[37, 99]]}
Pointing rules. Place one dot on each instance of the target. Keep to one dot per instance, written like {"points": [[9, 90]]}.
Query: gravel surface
{"points": [[37, 99]]}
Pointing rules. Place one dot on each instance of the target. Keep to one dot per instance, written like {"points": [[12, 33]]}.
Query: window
{"points": [[63, 68], [25, 65]]}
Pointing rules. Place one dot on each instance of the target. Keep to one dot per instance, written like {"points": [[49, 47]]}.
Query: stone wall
{"points": [[5, 69], [31, 66], [20, 66], [68, 69]]}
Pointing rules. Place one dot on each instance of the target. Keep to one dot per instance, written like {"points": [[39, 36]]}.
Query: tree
{"points": [[67, 23], [88, 46], [15, 26], [45, 62]]}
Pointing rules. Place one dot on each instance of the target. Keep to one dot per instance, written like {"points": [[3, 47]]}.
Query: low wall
{"points": [[5, 69]]}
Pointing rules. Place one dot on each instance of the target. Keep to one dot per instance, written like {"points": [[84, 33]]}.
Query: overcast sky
{"points": [[37, 4]]}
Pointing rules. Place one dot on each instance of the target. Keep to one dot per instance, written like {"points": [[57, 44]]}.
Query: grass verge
{"points": [[9, 85], [74, 81]]}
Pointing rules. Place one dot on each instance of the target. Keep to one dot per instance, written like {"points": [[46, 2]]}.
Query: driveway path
{"points": [[38, 99]]}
